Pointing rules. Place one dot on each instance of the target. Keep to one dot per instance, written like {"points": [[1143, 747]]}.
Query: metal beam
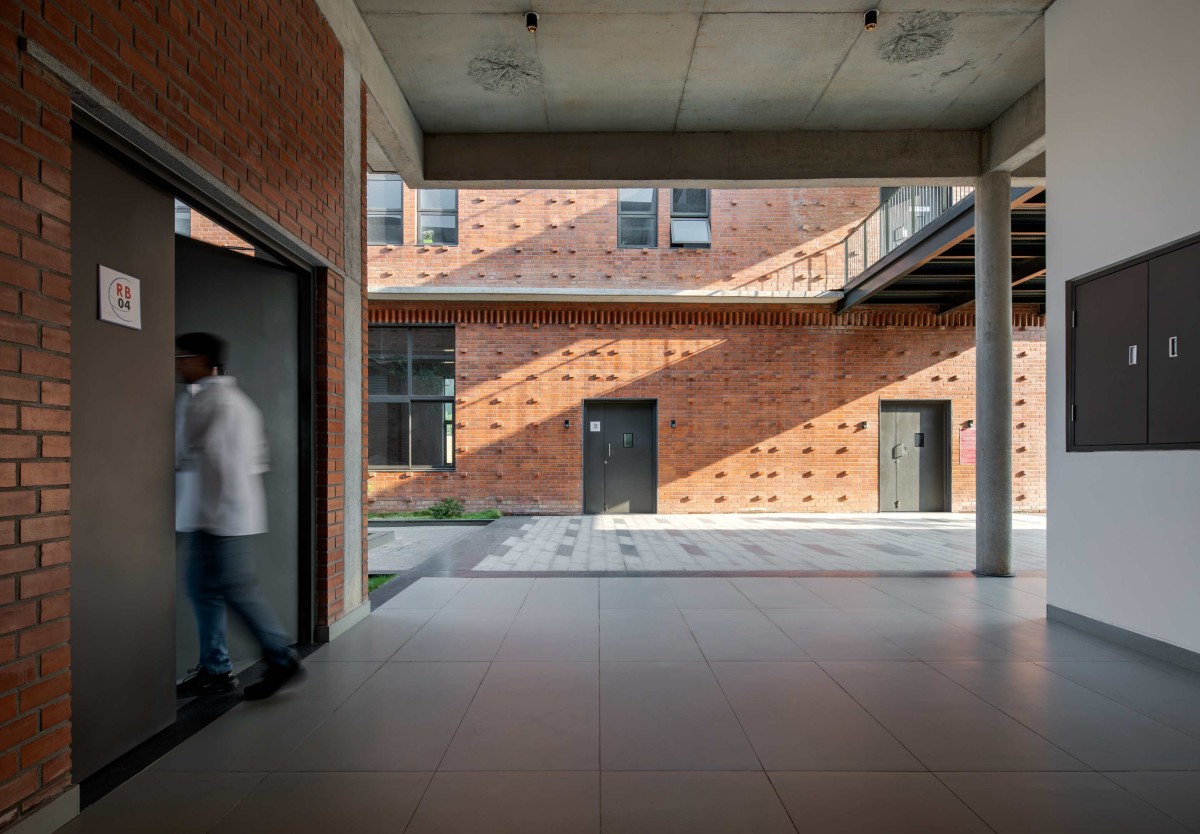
{"points": [[777, 160], [1023, 271], [1018, 135]]}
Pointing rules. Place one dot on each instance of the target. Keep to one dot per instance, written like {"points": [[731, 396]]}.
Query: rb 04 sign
{"points": [[120, 298]]}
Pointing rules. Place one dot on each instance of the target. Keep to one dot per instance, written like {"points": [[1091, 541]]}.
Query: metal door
{"points": [[913, 457], [620, 458], [1173, 347], [1110, 359]]}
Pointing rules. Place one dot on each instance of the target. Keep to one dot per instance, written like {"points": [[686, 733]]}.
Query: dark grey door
{"points": [[620, 458], [1173, 347], [122, 467], [255, 307], [1110, 359], [913, 457]]}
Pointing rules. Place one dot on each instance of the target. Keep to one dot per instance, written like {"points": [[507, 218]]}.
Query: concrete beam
{"points": [[1032, 174], [389, 118], [1018, 135], [594, 296], [775, 160]]}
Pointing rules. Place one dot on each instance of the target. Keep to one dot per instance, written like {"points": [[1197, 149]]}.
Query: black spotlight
{"points": [[531, 21], [870, 21]]}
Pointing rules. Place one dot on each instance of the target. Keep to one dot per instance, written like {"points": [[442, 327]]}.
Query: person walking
{"points": [[223, 444]]}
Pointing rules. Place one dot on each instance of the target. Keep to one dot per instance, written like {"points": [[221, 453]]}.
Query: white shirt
{"points": [[223, 434], [187, 479]]}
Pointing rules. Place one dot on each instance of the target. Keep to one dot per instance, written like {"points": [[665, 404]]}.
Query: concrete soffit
{"points": [[1018, 135], [389, 118]]}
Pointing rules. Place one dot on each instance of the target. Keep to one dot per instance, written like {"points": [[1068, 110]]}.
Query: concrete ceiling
{"points": [[673, 67], [690, 65]]}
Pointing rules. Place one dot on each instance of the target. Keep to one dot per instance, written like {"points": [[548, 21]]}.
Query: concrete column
{"points": [[993, 374]]}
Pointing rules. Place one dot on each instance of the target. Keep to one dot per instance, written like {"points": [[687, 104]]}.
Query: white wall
{"points": [[1123, 176]]}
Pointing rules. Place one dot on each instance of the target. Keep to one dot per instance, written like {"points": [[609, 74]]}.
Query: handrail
{"points": [[895, 220]]}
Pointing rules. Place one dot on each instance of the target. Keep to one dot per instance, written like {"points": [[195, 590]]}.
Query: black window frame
{"points": [[411, 398], [423, 212], [706, 215], [652, 214], [396, 211]]}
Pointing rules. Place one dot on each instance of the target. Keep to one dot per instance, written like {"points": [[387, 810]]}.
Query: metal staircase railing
{"points": [[904, 213]]}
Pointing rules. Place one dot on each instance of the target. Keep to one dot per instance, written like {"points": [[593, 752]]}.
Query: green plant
{"points": [[447, 508]]}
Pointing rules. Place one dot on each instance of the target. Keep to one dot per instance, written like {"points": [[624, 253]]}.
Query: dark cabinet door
{"points": [[1174, 347], [1110, 360]]}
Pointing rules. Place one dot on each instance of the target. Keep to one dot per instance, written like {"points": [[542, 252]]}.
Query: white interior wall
{"points": [[1123, 147]]}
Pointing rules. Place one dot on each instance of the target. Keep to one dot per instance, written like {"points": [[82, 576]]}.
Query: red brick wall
{"points": [[766, 402], [225, 82], [777, 240], [210, 231]]}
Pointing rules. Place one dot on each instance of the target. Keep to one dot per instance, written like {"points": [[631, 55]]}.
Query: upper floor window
{"points": [[438, 210], [637, 217], [410, 397], [183, 219], [690, 227], [385, 209]]}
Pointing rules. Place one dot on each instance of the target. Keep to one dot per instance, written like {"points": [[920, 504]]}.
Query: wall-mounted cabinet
{"points": [[1133, 365]]}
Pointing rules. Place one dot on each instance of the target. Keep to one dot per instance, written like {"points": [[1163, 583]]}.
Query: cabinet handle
{"points": [[1173, 347], [610, 450], [1133, 354]]}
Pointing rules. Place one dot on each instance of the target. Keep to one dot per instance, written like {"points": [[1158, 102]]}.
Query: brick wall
{"points": [[209, 231], [775, 240], [766, 403], [223, 81]]}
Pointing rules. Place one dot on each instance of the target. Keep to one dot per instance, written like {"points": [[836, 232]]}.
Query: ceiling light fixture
{"points": [[531, 22], [871, 20]]}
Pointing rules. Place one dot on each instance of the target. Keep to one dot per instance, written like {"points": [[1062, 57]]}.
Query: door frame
{"points": [[653, 403], [159, 172], [947, 450]]}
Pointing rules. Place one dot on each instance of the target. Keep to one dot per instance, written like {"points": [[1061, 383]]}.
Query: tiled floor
{"points": [[756, 542], [696, 705]]}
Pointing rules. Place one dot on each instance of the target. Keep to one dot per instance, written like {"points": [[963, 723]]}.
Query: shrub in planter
{"points": [[447, 508]]}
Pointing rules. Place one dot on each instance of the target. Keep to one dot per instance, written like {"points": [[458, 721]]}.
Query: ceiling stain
{"points": [[502, 70], [919, 35]]}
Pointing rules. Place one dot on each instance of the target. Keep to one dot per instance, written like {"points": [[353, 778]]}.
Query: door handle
{"points": [[898, 451], [1133, 354], [1173, 347], [610, 450]]}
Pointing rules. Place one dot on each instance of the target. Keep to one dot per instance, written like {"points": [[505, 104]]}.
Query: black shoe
{"points": [[275, 677], [206, 683]]}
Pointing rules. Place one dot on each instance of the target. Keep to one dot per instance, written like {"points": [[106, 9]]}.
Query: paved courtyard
{"points": [[755, 542], [630, 705]]}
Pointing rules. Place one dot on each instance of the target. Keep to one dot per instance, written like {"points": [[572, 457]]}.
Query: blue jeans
{"points": [[220, 575]]}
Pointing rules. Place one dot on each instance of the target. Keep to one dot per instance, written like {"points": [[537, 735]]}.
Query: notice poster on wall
{"points": [[966, 447], [120, 298], [595, 425]]}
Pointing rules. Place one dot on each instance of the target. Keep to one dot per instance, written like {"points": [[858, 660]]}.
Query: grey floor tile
{"points": [[491, 593], [531, 716], [553, 634], [510, 803], [1034, 641], [927, 637], [1096, 730], [732, 634], [668, 715], [865, 803], [834, 635], [563, 593], [459, 634], [165, 803], [707, 593], [1166, 693], [1056, 803], [691, 803], [927, 592], [798, 718], [850, 593], [778, 592], [378, 637], [317, 803], [622, 592], [426, 592], [401, 719], [1175, 794], [646, 634], [941, 723]]}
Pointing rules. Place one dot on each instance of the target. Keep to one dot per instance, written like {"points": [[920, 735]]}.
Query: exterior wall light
{"points": [[566, 424], [970, 423], [870, 20], [672, 424], [863, 425], [531, 22]]}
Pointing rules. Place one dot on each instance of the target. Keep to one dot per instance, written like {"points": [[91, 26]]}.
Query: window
{"points": [[385, 209], [690, 227], [183, 219], [637, 217], [438, 210], [410, 403]]}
